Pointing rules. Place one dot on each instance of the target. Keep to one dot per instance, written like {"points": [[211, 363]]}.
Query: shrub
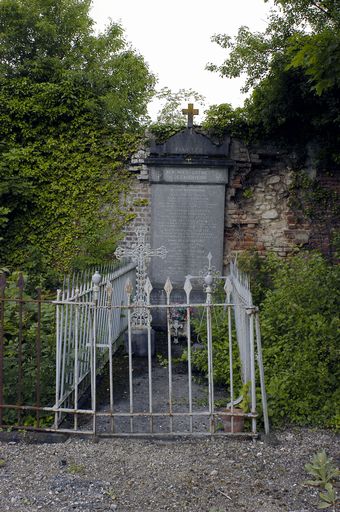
{"points": [[300, 330], [221, 360], [298, 300]]}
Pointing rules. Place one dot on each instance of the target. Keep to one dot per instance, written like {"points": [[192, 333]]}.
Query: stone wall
{"points": [[138, 201], [257, 208], [257, 204]]}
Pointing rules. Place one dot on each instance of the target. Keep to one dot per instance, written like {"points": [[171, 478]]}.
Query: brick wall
{"points": [[138, 201]]}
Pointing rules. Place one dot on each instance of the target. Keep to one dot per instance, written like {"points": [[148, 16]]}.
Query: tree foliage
{"points": [[223, 118], [71, 105], [302, 29], [293, 69], [170, 118]]}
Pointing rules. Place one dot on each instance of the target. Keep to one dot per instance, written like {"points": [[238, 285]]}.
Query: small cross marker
{"points": [[190, 112]]}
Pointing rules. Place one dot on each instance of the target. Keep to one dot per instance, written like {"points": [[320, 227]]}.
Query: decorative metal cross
{"points": [[140, 253], [208, 276], [190, 112]]}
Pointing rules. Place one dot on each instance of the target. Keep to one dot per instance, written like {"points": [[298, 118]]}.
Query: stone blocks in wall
{"points": [[258, 214]]}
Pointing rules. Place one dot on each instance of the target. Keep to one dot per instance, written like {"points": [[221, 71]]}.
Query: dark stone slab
{"points": [[139, 342], [188, 219], [191, 142], [188, 175]]}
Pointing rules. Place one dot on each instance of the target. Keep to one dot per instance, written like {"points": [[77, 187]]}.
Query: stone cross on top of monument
{"points": [[140, 254], [190, 112]]}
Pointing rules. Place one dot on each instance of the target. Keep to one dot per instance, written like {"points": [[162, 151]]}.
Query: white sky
{"points": [[174, 38]]}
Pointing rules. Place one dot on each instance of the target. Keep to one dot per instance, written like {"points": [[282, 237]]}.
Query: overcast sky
{"points": [[174, 38]]}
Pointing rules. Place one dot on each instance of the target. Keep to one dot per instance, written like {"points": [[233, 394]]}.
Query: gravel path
{"points": [[208, 475]]}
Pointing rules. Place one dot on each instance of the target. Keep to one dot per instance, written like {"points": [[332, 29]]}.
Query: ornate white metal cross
{"points": [[140, 253]]}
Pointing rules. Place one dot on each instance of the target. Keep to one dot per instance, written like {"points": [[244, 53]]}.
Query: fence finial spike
{"points": [[148, 286], [228, 288], [168, 286], [96, 278], [21, 281], [209, 260], [128, 287], [187, 287]]}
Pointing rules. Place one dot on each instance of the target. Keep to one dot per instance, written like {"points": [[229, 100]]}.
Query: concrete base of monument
{"points": [[139, 342]]}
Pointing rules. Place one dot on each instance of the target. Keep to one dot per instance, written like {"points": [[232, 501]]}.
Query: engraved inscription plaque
{"points": [[188, 219], [189, 175]]}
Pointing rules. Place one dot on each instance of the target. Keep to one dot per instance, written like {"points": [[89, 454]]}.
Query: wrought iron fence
{"points": [[87, 316], [90, 315], [27, 353], [43, 345]]}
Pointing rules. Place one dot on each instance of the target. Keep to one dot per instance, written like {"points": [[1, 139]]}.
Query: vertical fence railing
{"points": [[212, 414], [90, 316], [38, 358], [86, 324], [247, 325], [2, 341], [187, 289], [25, 375]]}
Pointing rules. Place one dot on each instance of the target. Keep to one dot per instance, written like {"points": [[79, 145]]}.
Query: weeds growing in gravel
{"points": [[324, 472], [76, 469]]}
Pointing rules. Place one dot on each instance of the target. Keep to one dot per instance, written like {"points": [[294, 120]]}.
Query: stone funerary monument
{"points": [[197, 195], [186, 177]]}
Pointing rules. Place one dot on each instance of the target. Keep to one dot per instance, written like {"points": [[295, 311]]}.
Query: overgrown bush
{"points": [[300, 330], [221, 359], [298, 299]]}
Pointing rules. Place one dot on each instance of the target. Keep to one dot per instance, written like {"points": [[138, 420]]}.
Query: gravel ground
{"points": [[160, 400], [210, 474]]}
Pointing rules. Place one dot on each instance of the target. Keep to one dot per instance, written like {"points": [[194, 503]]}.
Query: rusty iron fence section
{"points": [[26, 384], [2, 341], [46, 349]]}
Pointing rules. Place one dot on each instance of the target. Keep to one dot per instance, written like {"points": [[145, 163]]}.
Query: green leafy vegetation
{"points": [[298, 299], [76, 469], [300, 329], [322, 469], [72, 106], [170, 119], [292, 69], [221, 360], [328, 498], [325, 473], [223, 118]]}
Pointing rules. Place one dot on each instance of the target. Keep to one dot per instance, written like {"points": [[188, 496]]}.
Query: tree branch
{"points": [[322, 9]]}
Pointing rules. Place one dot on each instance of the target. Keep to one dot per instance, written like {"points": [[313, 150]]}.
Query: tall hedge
{"points": [[72, 104]]}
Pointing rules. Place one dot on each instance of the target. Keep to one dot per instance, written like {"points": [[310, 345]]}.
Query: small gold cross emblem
{"points": [[190, 112]]}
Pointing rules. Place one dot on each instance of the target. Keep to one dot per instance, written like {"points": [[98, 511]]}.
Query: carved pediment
{"points": [[191, 142]]}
